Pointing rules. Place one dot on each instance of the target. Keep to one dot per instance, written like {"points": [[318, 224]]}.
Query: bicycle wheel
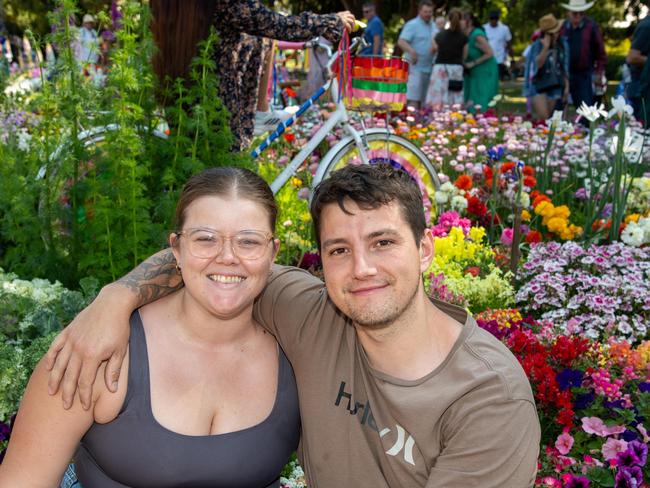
{"points": [[386, 148]]}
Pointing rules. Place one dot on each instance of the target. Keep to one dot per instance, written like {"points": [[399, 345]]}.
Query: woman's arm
{"points": [[434, 46], [44, 437], [254, 18], [484, 46], [101, 331], [543, 54]]}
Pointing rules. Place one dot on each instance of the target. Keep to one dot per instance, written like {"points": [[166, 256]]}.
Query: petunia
{"points": [[564, 443], [612, 447]]}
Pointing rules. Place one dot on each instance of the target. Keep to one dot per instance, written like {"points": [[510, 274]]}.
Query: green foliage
{"points": [[77, 202], [31, 313]]}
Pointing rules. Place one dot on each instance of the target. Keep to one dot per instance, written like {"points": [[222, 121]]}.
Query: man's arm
{"points": [[101, 331], [406, 47], [635, 57]]}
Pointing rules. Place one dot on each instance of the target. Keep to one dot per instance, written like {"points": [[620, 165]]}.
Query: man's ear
{"points": [[426, 250]]}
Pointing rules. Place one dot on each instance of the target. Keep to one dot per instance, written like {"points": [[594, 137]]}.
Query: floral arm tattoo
{"points": [[154, 278]]}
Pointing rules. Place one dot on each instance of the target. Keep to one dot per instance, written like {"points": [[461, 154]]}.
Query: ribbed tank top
{"points": [[134, 450]]}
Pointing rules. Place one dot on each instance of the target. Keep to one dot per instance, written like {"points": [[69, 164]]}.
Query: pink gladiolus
{"points": [[564, 443]]}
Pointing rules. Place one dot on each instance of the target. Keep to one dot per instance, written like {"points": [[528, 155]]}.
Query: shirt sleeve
{"points": [[407, 32], [490, 446], [254, 18], [641, 38], [290, 304], [599, 49], [508, 34]]}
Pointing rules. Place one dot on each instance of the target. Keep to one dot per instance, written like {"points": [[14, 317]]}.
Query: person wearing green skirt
{"points": [[481, 69]]}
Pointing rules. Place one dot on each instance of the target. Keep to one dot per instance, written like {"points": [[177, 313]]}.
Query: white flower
{"points": [[524, 200], [593, 113], [23, 139], [619, 107], [555, 119], [442, 197], [633, 235], [458, 203], [632, 145], [447, 187]]}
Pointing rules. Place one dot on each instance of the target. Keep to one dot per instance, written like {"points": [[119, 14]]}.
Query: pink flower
{"points": [[593, 425], [506, 236], [564, 443], [551, 482], [612, 447]]}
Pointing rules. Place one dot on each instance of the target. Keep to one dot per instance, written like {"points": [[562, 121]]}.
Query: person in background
{"points": [[446, 83], [87, 46], [526, 90], [587, 57], [441, 22], [481, 82], [415, 41], [548, 54], [499, 37], [374, 33], [637, 59], [242, 25]]}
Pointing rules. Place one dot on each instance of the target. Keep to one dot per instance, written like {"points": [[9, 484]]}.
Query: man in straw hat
{"points": [[586, 51], [87, 48]]}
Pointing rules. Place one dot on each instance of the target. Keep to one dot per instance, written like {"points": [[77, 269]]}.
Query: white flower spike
{"points": [[619, 107], [592, 113]]}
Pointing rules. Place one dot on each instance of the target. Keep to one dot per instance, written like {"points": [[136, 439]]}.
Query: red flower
{"points": [[289, 136], [529, 170], [533, 236], [487, 172], [530, 181], [290, 92], [473, 270], [539, 199], [476, 207], [505, 167], [463, 182]]}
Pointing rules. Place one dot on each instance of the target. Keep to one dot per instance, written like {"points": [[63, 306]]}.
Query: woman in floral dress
{"points": [[242, 25]]}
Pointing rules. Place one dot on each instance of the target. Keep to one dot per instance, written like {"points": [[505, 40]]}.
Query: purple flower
{"points": [[576, 482], [310, 260], [640, 450], [569, 378], [644, 387], [629, 477], [5, 430], [584, 400], [627, 458]]}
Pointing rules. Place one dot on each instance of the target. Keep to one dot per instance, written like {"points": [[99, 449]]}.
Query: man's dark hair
{"points": [[370, 187], [425, 3]]}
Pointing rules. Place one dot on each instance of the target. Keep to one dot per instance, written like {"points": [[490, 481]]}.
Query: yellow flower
{"points": [[525, 215], [562, 211], [297, 182], [477, 234], [632, 218], [557, 224]]}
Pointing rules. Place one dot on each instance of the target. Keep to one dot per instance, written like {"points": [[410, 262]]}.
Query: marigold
{"points": [[525, 215], [463, 182]]}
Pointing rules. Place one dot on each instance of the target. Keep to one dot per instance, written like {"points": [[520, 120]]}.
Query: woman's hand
{"points": [[469, 64], [99, 333], [347, 18], [546, 40]]}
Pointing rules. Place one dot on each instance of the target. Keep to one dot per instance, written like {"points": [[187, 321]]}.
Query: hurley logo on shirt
{"points": [[363, 411]]}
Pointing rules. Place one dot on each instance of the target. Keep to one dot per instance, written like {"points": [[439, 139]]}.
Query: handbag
{"points": [[549, 77], [453, 85]]}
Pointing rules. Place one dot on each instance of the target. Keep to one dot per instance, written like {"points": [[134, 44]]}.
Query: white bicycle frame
{"points": [[339, 116]]}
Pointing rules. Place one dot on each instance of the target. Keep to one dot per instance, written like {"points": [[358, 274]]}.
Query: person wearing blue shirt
{"points": [[374, 33], [415, 41]]}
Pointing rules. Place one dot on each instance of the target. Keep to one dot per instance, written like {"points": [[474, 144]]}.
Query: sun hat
{"points": [[88, 18], [549, 23], [578, 5]]}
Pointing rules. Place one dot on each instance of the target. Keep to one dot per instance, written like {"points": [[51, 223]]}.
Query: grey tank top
{"points": [[134, 450]]}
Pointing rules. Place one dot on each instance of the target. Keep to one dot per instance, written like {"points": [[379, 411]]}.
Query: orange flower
{"points": [[539, 199], [505, 167], [291, 92], [530, 181], [533, 194], [463, 182], [289, 136], [529, 170]]}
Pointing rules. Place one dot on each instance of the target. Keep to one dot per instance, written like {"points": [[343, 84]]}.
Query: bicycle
{"points": [[368, 146]]}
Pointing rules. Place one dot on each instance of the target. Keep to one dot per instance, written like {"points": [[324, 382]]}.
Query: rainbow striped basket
{"points": [[378, 84]]}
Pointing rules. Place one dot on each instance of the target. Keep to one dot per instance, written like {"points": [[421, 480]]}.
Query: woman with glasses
{"points": [[208, 391]]}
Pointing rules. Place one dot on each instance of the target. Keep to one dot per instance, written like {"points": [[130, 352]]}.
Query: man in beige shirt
{"points": [[395, 389]]}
